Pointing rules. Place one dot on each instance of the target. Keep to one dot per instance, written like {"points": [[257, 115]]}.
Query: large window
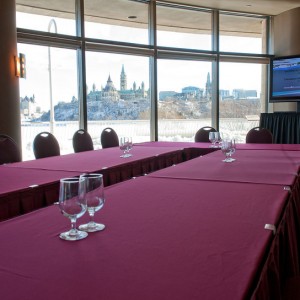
{"points": [[36, 15], [242, 34], [48, 96], [118, 95], [184, 98], [183, 28], [117, 20], [240, 98], [111, 68]]}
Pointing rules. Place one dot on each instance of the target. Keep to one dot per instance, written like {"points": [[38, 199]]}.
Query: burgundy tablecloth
{"points": [[260, 166], [23, 190], [165, 239], [109, 163], [190, 149], [285, 147], [175, 144], [90, 161]]}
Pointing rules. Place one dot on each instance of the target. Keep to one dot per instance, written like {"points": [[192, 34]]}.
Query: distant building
{"points": [[224, 94], [208, 87], [165, 95], [110, 93], [244, 94], [123, 80], [192, 92]]}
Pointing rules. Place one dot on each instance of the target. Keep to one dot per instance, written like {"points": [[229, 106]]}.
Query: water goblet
{"points": [[232, 150], [218, 139], [129, 146], [72, 204], [226, 149], [212, 139], [124, 146], [95, 200]]}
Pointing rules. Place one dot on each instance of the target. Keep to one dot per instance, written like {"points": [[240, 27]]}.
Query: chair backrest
{"points": [[45, 145], [259, 135], [82, 141], [109, 138], [202, 135], [9, 150]]}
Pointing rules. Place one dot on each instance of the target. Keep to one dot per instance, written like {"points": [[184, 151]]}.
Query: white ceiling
{"points": [[118, 11], [265, 7]]}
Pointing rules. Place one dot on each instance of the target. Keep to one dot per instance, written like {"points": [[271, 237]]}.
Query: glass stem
{"points": [[92, 214], [73, 226]]}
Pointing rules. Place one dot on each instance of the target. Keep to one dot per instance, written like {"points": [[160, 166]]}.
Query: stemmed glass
{"points": [[226, 148], [94, 199], [125, 146], [72, 204], [130, 145], [218, 139], [232, 150], [212, 138]]}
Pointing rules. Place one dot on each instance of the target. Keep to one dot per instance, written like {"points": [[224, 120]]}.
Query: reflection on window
{"points": [[184, 98], [39, 15], [118, 95], [117, 20], [242, 34], [240, 98], [41, 88], [183, 28]]}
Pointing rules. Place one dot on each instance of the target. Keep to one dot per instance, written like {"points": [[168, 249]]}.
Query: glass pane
{"points": [[184, 98], [117, 20], [183, 28], [37, 90], [118, 95], [240, 98], [242, 34], [38, 16]]}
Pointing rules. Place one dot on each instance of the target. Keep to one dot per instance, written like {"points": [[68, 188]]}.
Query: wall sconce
{"points": [[20, 65]]}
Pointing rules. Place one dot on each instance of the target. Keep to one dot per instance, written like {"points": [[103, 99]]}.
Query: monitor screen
{"points": [[285, 79]]}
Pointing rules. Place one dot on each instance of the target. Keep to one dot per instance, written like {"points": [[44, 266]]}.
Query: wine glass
{"points": [[226, 149], [72, 204], [94, 199], [218, 139], [124, 146], [130, 145], [232, 150], [212, 138]]}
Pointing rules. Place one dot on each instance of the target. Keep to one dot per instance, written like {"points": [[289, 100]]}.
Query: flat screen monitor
{"points": [[285, 79]]}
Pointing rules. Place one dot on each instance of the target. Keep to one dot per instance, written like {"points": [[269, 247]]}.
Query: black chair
{"points": [[202, 135], [259, 135], [9, 150], [82, 141], [109, 138], [45, 145]]}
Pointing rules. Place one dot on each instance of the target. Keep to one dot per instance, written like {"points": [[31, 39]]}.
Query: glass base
{"points": [[126, 155], [228, 160], [92, 227], [73, 235]]}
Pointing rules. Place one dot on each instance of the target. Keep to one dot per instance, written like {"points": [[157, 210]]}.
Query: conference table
{"points": [[259, 166], [32, 184], [200, 229]]}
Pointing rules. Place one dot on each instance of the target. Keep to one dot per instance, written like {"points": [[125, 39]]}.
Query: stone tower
{"points": [[208, 87], [123, 80]]}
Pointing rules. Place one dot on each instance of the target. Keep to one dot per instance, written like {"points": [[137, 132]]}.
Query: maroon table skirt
{"points": [[23, 190]]}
